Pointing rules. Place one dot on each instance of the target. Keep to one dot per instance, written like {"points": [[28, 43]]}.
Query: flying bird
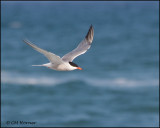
{"points": [[65, 63]]}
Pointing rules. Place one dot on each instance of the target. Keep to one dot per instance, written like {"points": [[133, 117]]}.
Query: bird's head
{"points": [[75, 66]]}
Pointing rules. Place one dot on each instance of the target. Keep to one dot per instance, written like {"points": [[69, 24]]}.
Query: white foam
{"points": [[7, 77], [122, 82], [27, 80]]}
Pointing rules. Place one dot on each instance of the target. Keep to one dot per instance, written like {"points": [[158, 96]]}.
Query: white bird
{"points": [[65, 63]]}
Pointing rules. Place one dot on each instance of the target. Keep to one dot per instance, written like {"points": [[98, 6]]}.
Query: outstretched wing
{"points": [[82, 47], [51, 57]]}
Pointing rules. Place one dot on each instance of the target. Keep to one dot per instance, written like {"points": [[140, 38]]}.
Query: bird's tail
{"points": [[37, 65]]}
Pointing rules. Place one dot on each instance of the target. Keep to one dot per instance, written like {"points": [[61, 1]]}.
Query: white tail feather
{"points": [[37, 65]]}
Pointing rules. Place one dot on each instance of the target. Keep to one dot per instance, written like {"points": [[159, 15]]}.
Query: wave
{"points": [[7, 78]]}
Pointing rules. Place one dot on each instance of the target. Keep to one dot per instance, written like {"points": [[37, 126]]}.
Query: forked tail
{"points": [[37, 65], [45, 65]]}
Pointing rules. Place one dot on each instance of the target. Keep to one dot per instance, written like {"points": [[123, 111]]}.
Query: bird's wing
{"points": [[82, 47], [51, 57]]}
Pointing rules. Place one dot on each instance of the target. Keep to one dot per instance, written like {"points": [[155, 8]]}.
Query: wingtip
{"points": [[90, 34], [25, 40]]}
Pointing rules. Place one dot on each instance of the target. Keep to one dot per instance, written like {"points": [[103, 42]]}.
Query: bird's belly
{"points": [[61, 67]]}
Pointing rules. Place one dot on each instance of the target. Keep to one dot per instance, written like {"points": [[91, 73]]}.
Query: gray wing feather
{"points": [[51, 57], [81, 48]]}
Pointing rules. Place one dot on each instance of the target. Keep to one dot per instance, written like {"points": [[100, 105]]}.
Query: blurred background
{"points": [[118, 85]]}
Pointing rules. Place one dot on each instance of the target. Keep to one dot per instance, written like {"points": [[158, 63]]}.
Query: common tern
{"points": [[65, 63]]}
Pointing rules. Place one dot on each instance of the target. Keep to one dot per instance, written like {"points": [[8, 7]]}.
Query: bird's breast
{"points": [[63, 67]]}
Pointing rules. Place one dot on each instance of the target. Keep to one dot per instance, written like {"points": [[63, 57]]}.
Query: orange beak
{"points": [[79, 68]]}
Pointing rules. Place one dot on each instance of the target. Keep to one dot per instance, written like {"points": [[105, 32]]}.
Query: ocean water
{"points": [[119, 83]]}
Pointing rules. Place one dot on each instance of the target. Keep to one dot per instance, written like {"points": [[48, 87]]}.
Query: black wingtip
{"points": [[25, 40], [89, 36]]}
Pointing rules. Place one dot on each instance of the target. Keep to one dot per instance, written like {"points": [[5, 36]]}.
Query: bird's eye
{"points": [[73, 64]]}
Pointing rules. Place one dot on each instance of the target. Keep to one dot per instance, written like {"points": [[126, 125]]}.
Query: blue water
{"points": [[118, 85]]}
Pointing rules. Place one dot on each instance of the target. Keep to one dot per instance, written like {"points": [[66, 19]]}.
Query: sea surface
{"points": [[119, 83]]}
